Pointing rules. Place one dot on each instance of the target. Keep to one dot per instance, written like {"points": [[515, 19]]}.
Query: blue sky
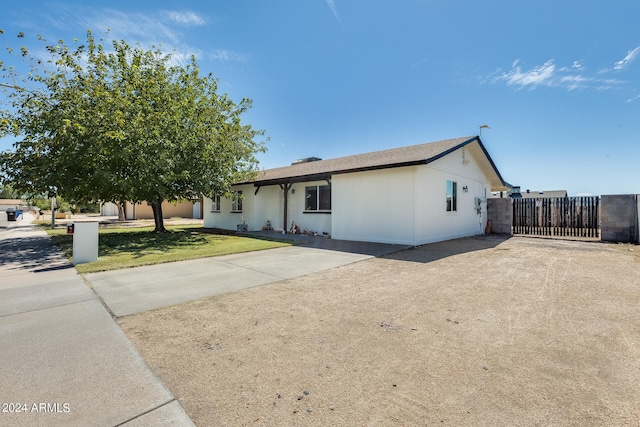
{"points": [[558, 82]]}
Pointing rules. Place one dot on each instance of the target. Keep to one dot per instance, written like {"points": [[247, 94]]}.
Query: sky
{"points": [[556, 82]]}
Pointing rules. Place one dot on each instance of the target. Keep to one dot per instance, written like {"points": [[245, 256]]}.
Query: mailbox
{"points": [[69, 228], [85, 241]]}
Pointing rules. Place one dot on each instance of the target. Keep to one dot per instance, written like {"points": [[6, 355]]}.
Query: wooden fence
{"points": [[557, 216]]}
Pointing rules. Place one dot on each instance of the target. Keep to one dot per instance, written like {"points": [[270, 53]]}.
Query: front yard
{"points": [[472, 332], [123, 247]]}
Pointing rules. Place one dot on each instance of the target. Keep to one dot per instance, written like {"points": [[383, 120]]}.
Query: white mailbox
{"points": [[85, 242]]}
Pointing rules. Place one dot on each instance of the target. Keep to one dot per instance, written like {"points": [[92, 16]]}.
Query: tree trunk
{"points": [[120, 211], [157, 216]]}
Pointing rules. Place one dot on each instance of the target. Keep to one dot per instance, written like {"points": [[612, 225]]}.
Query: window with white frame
{"points": [[317, 198], [452, 196], [236, 202], [215, 204]]}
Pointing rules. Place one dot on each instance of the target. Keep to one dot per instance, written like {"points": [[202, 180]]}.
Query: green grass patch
{"points": [[125, 247]]}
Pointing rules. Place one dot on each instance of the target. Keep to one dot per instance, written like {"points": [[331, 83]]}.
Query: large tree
{"points": [[122, 124]]}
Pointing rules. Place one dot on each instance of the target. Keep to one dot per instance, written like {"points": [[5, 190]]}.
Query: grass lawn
{"points": [[125, 247]]}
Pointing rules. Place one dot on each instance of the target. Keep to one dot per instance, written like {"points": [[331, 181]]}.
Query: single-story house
{"points": [[10, 204], [528, 194], [409, 195], [184, 209]]}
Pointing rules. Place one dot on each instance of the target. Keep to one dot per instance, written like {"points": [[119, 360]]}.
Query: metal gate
{"points": [[557, 216]]}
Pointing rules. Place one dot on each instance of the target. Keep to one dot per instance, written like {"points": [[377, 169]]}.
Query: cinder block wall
{"points": [[500, 213], [619, 218]]}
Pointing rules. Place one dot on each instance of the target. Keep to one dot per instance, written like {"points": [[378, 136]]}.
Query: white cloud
{"points": [[575, 66], [574, 82], [186, 18], [167, 30], [571, 77], [143, 28], [334, 10], [541, 75], [227, 56], [627, 59]]}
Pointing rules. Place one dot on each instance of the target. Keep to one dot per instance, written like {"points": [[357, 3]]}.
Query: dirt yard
{"points": [[473, 332]]}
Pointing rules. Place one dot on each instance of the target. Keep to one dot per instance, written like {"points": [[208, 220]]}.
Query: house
{"points": [[6, 204], [528, 194], [408, 195], [184, 209]]}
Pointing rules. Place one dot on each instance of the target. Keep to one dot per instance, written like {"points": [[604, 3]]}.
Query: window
{"points": [[215, 204], [317, 198], [236, 203], [452, 196]]}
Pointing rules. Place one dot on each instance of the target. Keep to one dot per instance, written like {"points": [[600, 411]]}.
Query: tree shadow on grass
{"points": [[144, 243], [141, 243]]}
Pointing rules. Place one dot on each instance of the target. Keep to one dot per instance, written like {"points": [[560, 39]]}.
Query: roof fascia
{"points": [[484, 150], [493, 165], [327, 175]]}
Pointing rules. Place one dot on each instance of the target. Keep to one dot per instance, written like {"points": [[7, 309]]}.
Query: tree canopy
{"points": [[121, 124]]}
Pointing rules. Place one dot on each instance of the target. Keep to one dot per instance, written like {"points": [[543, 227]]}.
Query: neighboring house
{"points": [[185, 209], [409, 195], [515, 193], [543, 194], [13, 204]]}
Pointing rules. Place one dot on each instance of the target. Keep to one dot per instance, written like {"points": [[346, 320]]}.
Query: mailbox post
{"points": [[85, 241]]}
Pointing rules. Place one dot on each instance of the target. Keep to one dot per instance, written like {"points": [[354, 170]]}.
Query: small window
{"points": [[317, 198], [452, 196], [215, 204], [236, 203]]}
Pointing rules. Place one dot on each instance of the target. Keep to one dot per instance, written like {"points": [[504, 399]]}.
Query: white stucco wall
{"points": [[433, 222], [374, 206], [225, 218], [267, 207], [408, 205]]}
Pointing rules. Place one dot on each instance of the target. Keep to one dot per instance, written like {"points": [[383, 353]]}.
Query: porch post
{"points": [[285, 188]]}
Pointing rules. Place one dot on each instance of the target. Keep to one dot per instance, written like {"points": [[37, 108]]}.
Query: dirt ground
{"points": [[482, 331]]}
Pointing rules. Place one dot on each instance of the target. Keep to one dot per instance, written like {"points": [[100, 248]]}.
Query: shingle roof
{"points": [[395, 157]]}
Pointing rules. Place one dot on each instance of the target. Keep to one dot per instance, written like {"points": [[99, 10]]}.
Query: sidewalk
{"points": [[65, 362]]}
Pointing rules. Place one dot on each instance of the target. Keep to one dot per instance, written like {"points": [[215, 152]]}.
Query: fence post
{"points": [[620, 218]]}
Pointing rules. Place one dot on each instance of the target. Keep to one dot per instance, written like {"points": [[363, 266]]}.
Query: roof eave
{"points": [[323, 176], [327, 175]]}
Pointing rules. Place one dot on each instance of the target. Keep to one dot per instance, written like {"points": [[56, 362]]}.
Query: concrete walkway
{"points": [[64, 361], [139, 289]]}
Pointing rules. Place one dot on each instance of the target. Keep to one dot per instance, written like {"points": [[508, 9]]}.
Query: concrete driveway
{"points": [[139, 289]]}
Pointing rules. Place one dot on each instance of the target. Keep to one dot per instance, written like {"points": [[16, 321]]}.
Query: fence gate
{"points": [[557, 216]]}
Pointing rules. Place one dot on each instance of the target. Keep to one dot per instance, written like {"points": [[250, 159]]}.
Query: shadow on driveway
{"points": [[320, 242], [435, 251], [424, 253]]}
